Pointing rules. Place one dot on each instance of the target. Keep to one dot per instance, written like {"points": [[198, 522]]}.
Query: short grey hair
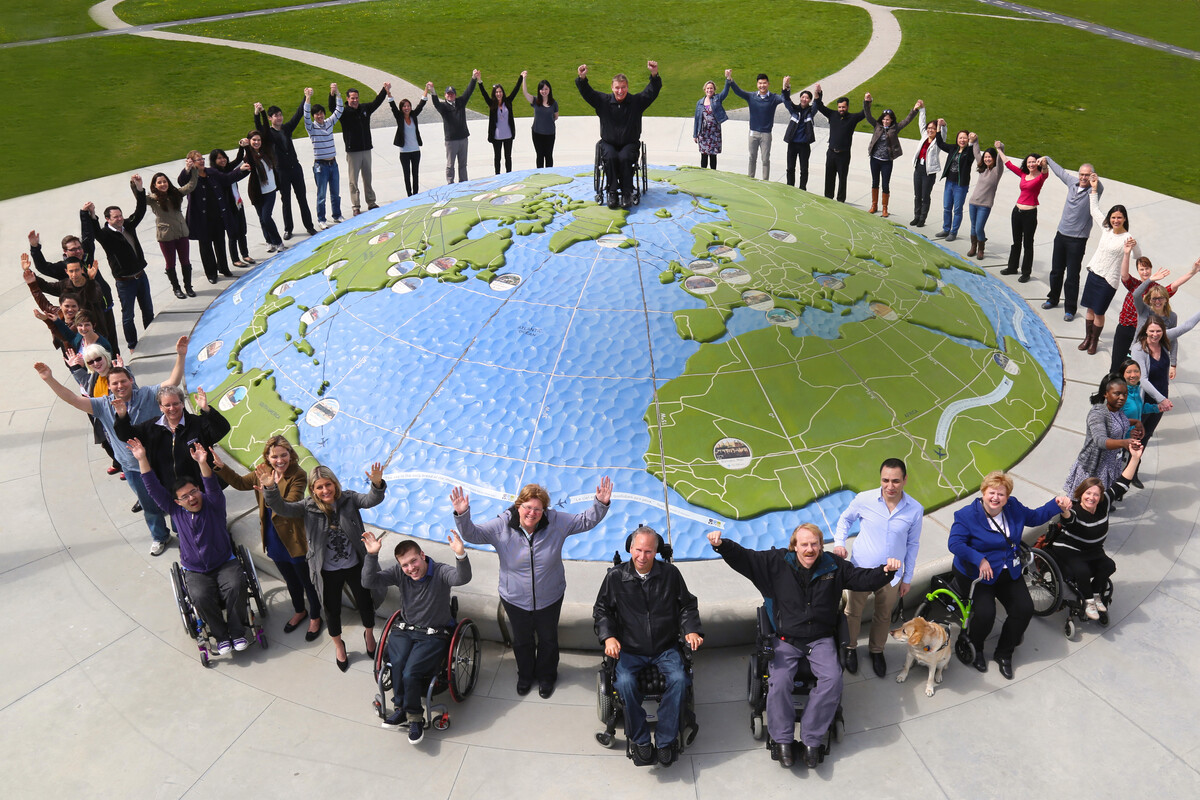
{"points": [[166, 389]]}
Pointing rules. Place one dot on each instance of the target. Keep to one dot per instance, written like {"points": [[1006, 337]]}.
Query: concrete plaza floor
{"points": [[102, 696]]}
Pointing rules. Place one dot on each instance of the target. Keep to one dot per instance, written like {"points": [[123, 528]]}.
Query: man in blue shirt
{"points": [[890, 527], [762, 117]]}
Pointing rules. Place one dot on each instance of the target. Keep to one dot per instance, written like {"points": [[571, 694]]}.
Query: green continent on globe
{"points": [[770, 420]]}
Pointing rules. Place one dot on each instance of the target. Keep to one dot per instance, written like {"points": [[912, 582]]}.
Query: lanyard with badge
{"points": [[1014, 549]]}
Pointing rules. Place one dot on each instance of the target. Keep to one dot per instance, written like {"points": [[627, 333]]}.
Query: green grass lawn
{"points": [[141, 101], [693, 41], [141, 12], [1054, 90], [1175, 22], [37, 19]]}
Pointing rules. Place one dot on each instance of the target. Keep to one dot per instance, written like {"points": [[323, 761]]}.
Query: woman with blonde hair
{"points": [[333, 528], [283, 538]]}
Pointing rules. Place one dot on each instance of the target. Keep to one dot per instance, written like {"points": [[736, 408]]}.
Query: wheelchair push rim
{"points": [[462, 663]]}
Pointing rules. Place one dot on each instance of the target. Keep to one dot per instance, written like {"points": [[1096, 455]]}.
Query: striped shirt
{"points": [[322, 135]]}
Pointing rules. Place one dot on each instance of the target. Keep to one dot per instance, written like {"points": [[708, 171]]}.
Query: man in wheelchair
{"points": [[620, 116], [806, 586], [210, 569], [416, 647], [641, 608]]}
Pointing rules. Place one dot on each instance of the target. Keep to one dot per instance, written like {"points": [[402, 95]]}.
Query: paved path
{"points": [[101, 694]]}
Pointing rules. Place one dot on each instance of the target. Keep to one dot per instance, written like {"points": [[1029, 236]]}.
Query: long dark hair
{"points": [[1113, 210], [212, 160], [172, 200], [263, 154], [995, 159], [549, 95], [1108, 380], [1153, 319]]}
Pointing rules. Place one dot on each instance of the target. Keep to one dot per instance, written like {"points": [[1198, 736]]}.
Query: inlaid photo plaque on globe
{"points": [[732, 353]]}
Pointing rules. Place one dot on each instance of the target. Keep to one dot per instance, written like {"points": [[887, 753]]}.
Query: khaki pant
{"points": [[359, 163], [881, 621]]}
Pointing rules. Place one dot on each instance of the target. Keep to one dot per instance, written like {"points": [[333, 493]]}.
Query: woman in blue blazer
{"points": [[706, 127], [986, 540]]}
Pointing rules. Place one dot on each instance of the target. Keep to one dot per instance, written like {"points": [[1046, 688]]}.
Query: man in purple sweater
{"points": [[210, 569]]}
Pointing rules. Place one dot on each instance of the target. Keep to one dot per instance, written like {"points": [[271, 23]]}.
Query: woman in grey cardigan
{"points": [[334, 528], [979, 207], [171, 228], [1108, 436], [529, 537]]}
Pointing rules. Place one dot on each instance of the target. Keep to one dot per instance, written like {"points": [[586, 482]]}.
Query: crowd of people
{"points": [[312, 528]]}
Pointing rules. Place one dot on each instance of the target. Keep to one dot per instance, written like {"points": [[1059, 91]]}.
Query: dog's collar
{"points": [[946, 641]]}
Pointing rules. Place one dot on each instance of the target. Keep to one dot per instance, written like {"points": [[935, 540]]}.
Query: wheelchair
{"points": [[198, 629], [610, 711], [1057, 591], [456, 673], [803, 682], [949, 602], [641, 181]]}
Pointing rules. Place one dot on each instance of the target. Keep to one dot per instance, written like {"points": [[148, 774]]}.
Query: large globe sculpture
{"points": [[732, 353]]}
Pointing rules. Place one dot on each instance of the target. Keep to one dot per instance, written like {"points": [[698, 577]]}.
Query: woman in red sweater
{"points": [[1033, 174]]}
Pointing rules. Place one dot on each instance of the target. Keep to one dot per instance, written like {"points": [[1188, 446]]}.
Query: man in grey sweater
{"points": [[415, 646], [1070, 240], [454, 125]]}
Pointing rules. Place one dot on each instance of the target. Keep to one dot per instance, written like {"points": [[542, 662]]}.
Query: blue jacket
{"points": [[717, 107], [973, 539], [532, 576], [762, 109]]}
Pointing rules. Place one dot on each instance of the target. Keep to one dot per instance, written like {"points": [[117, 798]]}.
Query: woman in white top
{"points": [[1104, 270], [263, 189], [408, 139]]}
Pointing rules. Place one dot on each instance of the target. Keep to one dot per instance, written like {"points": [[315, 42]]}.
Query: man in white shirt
{"points": [[890, 527]]}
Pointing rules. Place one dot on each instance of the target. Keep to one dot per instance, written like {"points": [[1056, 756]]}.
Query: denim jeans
{"points": [[131, 291], [670, 664], [414, 656], [270, 232], [979, 216], [156, 520], [881, 169], [953, 197], [328, 181]]}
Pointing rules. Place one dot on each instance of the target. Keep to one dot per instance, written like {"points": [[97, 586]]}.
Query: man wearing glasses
{"points": [[1071, 238]]}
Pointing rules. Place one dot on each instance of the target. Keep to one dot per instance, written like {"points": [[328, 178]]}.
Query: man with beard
{"points": [[841, 137]]}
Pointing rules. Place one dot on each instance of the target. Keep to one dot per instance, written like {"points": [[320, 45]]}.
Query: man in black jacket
{"points": [[168, 439], [642, 607], [805, 586], [118, 237], [841, 137], [620, 116], [454, 125], [288, 172], [356, 136]]}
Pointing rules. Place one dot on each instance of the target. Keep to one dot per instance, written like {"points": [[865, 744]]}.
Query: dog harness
{"points": [[946, 642]]}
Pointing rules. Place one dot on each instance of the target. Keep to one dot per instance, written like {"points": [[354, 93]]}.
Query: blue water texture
{"points": [[547, 383]]}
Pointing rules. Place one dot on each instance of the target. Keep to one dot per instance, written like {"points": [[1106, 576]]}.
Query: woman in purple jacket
{"points": [[529, 537]]}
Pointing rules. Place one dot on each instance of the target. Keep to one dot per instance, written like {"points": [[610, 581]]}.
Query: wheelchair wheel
{"points": [[205, 661], [964, 649], [754, 692], [383, 673], [758, 728], [253, 588], [462, 666], [1069, 628], [442, 721], [181, 600], [1107, 594], [838, 728], [598, 176], [605, 705], [1044, 582]]}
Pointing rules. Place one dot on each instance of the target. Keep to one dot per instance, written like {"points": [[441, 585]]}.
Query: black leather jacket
{"points": [[646, 616]]}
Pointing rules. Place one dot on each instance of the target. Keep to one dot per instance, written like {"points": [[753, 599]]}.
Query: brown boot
{"points": [[979, 252], [1087, 335], [974, 247], [883, 210], [874, 201], [1091, 351]]}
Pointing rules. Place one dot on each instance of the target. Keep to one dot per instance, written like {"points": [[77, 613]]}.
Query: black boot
{"points": [[175, 283], [187, 280]]}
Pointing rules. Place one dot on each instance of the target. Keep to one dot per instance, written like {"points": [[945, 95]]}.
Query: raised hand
{"points": [[429, 87], [93, 270], [199, 453], [76, 360], [714, 538], [372, 543], [90, 207], [841, 552], [1094, 180], [258, 108], [376, 474], [456, 544], [42, 315], [181, 346], [1064, 503], [460, 500], [728, 74], [308, 93], [34, 239], [201, 399], [476, 75], [265, 475], [26, 263], [582, 70], [652, 66], [118, 362], [136, 449], [216, 459], [43, 371], [333, 90], [604, 490], [972, 138], [1129, 244], [921, 104], [387, 88], [136, 180], [999, 145], [120, 407], [867, 97], [243, 142], [524, 73]]}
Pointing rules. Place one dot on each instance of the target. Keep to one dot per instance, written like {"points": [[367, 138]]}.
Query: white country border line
{"points": [[659, 504], [485, 491], [959, 406]]}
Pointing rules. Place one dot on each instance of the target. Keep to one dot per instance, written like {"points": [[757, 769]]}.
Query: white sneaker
{"points": [[240, 644], [158, 548], [1090, 611], [282, 247], [271, 249], [224, 647], [1099, 604]]}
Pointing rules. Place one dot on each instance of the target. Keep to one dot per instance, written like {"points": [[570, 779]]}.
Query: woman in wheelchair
{"points": [[806, 586], [210, 569], [986, 542], [1078, 548], [418, 644]]}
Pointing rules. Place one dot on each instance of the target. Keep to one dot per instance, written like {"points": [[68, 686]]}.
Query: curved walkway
{"points": [[101, 694]]}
